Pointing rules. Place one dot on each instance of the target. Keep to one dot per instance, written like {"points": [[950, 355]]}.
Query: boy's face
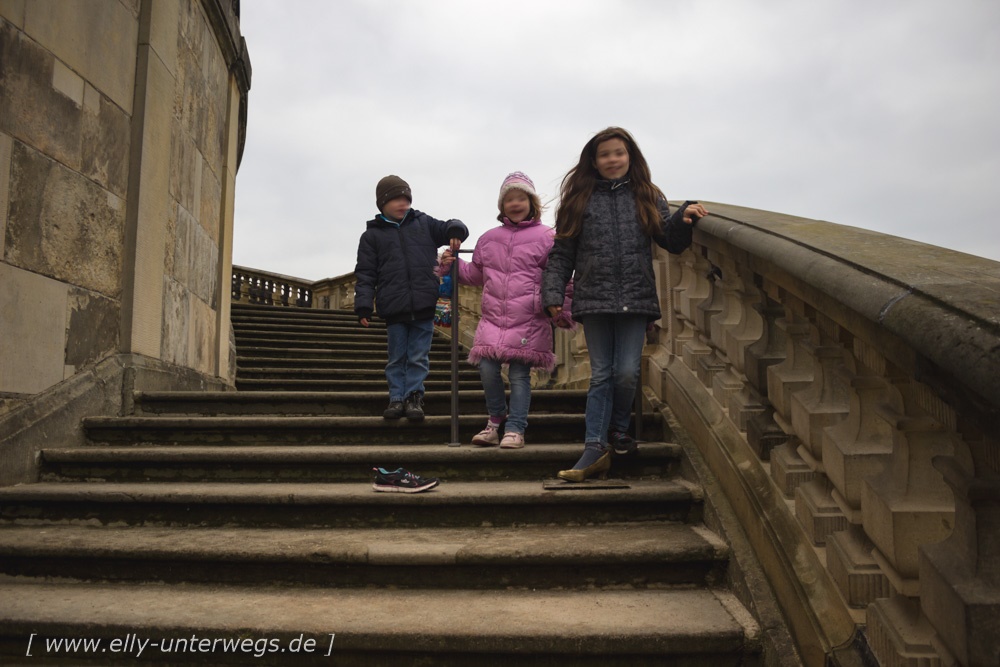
{"points": [[396, 208]]}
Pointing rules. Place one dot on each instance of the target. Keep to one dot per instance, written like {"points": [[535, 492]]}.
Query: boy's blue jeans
{"points": [[409, 357], [615, 345], [520, 392]]}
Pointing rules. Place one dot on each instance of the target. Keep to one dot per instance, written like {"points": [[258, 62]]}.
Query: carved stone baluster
{"points": [[793, 374], [856, 448], [695, 290], [763, 434], [960, 577], [746, 402], [906, 506], [709, 361], [727, 381]]}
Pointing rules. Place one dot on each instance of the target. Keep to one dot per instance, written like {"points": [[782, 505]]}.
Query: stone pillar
{"points": [[149, 179], [226, 224]]}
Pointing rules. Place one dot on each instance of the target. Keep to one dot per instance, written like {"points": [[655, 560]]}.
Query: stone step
{"points": [[347, 403], [653, 554], [240, 308], [320, 464], [257, 338], [266, 430], [488, 628], [296, 319], [376, 353], [439, 363], [348, 505], [291, 327], [341, 344], [439, 373], [299, 384]]}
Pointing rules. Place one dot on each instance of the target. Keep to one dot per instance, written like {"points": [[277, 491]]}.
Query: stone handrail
{"points": [[844, 388], [271, 289]]}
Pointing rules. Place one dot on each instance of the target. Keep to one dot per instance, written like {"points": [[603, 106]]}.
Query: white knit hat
{"points": [[515, 181]]}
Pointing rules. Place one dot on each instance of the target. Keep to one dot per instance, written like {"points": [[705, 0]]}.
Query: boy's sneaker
{"points": [[489, 436], [401, 481], [414, 406], [622, 443], [394, 411]]}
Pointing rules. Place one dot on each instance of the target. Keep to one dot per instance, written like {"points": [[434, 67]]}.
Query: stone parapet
{"points": [[875, 357]]}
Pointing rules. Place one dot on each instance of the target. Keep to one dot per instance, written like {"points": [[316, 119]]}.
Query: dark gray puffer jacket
{"points": [[396, 262], [611, 260]]}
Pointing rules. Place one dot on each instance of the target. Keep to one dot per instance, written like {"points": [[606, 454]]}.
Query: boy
{"points": [[395, 271]]}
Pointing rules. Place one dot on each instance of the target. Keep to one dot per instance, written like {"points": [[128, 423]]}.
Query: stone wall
{"points": [[121, 129], [119, 139]]}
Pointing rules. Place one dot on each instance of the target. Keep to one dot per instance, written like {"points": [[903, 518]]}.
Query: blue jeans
{"points": [[614, 343], [409, 357], [520, 392]]}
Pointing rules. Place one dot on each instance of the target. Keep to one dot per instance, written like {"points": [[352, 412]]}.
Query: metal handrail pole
{"points": [[454, 351]]}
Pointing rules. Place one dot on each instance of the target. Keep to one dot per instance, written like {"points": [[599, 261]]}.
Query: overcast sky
{"points": [[877, 114]]}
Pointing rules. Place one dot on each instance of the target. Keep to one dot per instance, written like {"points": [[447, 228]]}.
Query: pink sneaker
{"points": [[512, 441], [489, 436]]}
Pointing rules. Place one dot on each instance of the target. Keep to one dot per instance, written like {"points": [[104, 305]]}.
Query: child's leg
{"points": [[520, 397], [600, 333], [630, 336], [395, 370], [496, 399], [418, 348]]}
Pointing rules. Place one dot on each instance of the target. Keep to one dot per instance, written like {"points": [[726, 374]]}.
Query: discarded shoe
{"points": [[401, 481]]}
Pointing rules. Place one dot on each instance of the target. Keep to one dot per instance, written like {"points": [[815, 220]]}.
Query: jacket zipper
{"points": [[618, 248], [406, 263]]}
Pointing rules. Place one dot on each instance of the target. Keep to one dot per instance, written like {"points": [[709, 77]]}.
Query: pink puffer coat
{"points": [[508, 264]]}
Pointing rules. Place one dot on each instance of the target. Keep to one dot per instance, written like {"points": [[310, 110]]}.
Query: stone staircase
{"points": [[249, 516]]}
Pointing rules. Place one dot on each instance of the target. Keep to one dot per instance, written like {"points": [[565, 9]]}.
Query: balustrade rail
{"points": [[844, 387]]}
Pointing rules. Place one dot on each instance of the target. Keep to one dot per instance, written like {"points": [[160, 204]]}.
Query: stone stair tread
{"points": [[483, 493], [440, 621], [250, 422], [669, 542], [361, 454], [265, 396]]}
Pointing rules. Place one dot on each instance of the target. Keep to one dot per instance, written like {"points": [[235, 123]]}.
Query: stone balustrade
{"points": [[844, 388], [270, 289]]}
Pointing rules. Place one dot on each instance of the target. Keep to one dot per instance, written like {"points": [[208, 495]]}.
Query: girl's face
{"points": [[611, 160], [516, 206]]}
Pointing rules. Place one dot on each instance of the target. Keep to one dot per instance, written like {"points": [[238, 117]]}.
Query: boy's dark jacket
{"points": [[395, 269], [611, 259]]}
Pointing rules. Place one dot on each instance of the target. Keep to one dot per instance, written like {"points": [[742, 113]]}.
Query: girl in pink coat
{"points": [[514, 329]]}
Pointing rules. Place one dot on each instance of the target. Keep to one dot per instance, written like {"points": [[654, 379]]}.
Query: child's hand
{"points": [[554, 311], [455, 244], [446, 258], [694, 212], [364, 321]]}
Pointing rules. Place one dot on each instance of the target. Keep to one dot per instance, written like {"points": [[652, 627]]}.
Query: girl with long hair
{"points": [[610, 214]]}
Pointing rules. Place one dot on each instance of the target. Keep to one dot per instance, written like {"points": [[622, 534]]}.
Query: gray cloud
{"points": [[875, 115]]}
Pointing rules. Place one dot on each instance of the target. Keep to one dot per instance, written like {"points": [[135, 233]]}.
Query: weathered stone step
{"points": [[296, 328], [262, 430], [326, 339], [371, 372], [306, 318], [347, 505], [320, 464], [347, 403], [268, 384], [240, 308], [439, 363], [489, 628], [376, 353], [653, 554], [344, 343]]}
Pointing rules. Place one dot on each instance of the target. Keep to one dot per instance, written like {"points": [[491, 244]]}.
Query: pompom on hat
{"points": [[389, 188], [516, 181]]}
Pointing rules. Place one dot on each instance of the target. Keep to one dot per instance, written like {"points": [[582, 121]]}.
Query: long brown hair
{"points": [[579, 183]]}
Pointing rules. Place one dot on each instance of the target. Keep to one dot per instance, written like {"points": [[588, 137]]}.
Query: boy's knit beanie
{"points": [[389, 188], [515, 181]]}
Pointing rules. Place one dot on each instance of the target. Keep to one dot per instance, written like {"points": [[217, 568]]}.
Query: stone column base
{"points": [[852, 568], [899, 636]]}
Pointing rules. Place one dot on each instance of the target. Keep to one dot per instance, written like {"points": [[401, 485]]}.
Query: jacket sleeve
{"points": [[366, 275], [677, 235], [442, 231], [566, 314], [558, 271]]}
